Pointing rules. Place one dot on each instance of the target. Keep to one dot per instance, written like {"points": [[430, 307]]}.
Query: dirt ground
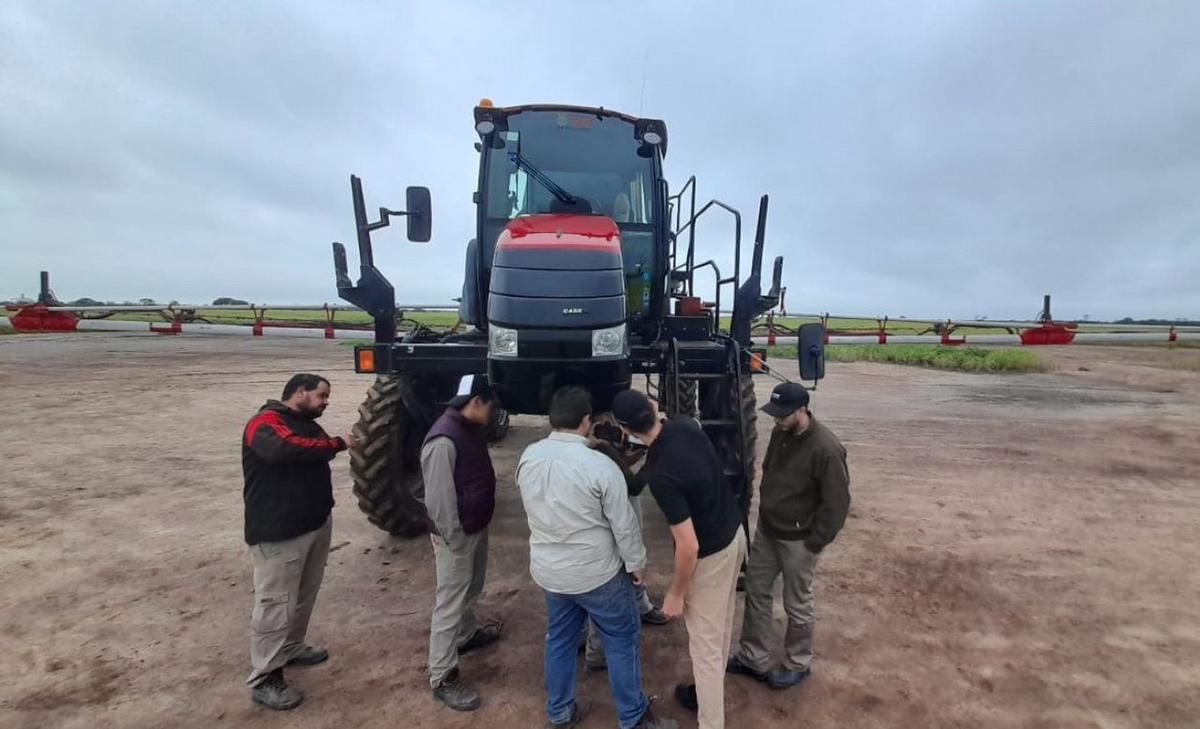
{"points": [[1022, 552]]}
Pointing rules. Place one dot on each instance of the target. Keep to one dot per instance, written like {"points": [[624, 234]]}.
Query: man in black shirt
{"points": [[685, 476], [288, 495]]}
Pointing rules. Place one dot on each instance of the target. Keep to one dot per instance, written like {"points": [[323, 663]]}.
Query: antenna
{"points": [[645, 64]]}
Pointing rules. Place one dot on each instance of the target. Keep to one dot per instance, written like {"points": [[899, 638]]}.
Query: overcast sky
{"points": [[926, 159]]}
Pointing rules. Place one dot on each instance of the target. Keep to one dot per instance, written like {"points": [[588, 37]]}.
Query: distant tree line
{"points": [[1160, 322], [89, 301]]}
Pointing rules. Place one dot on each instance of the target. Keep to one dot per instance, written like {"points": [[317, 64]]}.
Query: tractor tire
{"points": [[748, 402], [689, 396], [498, 429], [724, 400], [385, 466]]}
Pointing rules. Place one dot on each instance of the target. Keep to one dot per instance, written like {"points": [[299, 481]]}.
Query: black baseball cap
{"points": [[786, 399], [633, 410]]}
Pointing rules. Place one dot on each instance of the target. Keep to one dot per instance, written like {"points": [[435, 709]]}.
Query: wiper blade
{"points": [[555, 189]]}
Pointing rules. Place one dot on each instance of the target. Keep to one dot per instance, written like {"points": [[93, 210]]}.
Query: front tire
{"points": [[386, 465]]}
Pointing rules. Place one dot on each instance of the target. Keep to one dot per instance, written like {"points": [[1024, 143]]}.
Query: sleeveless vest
{"points": [[474, 477]]}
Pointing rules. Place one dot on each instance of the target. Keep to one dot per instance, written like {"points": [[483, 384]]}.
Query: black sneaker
{"points": [[274, 693], [685, 694], [455, 694], [484, 635], [655, 616], [650, 721], [735, 665], [578, 713], [309, 656], [782, 678]]}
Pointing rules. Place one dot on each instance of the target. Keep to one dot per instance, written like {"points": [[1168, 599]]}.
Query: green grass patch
{"points": [[444, 319], [959, 359]]}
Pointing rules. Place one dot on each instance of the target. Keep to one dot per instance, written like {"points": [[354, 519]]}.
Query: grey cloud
{"points": [[928, 159]]}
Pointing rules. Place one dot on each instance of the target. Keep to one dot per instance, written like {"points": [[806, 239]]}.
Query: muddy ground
{"points": [[1023, 551]]}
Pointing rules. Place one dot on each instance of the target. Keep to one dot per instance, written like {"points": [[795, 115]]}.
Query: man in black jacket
{"points": [[288, 495], [803, 502]]}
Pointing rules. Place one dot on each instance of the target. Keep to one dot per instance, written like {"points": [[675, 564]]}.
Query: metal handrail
{"points": [[720, 282], [737, 235]]}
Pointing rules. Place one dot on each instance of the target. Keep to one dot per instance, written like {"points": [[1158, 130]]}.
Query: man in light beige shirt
{"points": [[586, 552]]}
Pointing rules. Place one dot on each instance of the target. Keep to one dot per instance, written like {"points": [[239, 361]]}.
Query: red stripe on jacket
{"points": [[274, 421]]}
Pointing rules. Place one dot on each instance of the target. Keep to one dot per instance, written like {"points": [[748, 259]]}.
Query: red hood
{"points": [[588, 232]]}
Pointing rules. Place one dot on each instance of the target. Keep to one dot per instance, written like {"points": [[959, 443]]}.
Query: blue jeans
{"points": [[613, 608], [591, 639]]}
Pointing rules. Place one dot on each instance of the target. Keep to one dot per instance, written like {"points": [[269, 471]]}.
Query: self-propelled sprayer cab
{"points": [[582, 272], [571, 212]]}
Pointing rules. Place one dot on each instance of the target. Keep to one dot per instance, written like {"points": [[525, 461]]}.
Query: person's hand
{"points": [[672, 605], [352, 440], [636, 575]]}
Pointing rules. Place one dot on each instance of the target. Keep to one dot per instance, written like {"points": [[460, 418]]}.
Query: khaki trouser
{"points": [[287, 576], [708, 613], [460, 579], [768, 558]]}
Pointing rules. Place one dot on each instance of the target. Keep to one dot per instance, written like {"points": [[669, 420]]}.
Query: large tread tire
{"points": [[385, 467], [721, 400], [498, 430], [689, 396], [748, 402]]}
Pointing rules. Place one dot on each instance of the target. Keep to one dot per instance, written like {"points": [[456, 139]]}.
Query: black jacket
{"points": [[285, 459]]}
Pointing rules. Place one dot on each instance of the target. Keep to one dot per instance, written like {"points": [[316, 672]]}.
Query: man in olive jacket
{"points": [[803, 501]]}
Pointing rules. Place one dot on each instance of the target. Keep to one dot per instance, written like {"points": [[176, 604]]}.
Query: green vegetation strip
{"points": [[292, 316], [959, 359]]}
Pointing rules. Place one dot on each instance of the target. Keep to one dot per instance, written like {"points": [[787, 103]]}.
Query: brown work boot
{"points": [[455, 694], [274, 693]]}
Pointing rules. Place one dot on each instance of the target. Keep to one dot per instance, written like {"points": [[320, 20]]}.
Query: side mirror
{"points": [[811, 351], [419, 211]]}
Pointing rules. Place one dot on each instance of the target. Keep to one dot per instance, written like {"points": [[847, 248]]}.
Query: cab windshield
{"points": [[594, 158]]}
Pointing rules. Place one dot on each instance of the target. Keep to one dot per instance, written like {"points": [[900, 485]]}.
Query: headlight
{"points": [[608, 342], [502, 342]]}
